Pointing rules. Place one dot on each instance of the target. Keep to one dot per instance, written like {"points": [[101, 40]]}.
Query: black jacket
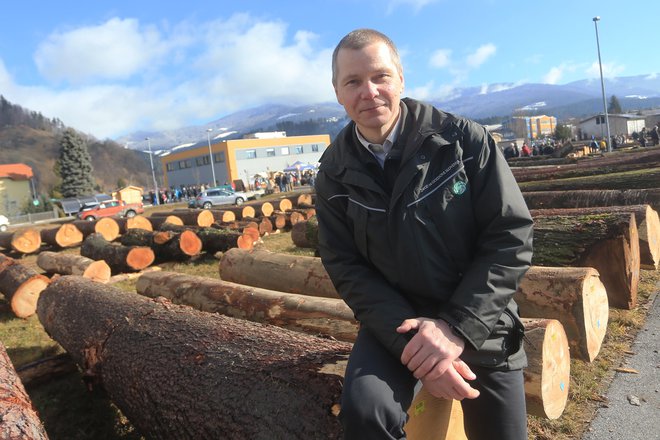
{"points": [[449, 236]]}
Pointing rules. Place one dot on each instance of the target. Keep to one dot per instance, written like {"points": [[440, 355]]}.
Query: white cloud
{"points": [[653, 75], [440, 58], [610, 70], [481, 55], [416, 5]]}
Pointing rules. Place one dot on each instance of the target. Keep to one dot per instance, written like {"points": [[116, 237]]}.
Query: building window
{"points": [[298, 149], [315, 148], [285, 151], [170, 167], [270, 152], [219, 157], [183, 164], [201, 161], [250, 154]]}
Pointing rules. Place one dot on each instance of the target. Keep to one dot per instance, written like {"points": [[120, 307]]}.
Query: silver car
{"points": [[219, 196]]}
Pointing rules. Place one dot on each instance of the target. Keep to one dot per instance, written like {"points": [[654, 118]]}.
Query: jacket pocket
{"points": [[359, 217], [504, 342]]}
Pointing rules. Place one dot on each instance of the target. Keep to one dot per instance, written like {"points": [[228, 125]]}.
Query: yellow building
{"points": [[129, 194], [533, 127], [239, 158], [15, 190]]}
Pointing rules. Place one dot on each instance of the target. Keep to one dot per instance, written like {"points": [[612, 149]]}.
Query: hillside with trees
{"points": [[30, 138]]}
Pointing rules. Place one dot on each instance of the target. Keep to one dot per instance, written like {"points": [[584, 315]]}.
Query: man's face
{"points": [[369, 86]]}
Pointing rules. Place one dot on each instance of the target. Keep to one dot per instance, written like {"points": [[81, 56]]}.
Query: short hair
{"points": [[361, 38]]}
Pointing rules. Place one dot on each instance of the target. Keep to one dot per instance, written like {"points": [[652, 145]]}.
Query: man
{"points": [[425, 235]]}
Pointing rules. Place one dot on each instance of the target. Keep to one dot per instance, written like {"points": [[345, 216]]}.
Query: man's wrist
{"points": [[453, 329]]}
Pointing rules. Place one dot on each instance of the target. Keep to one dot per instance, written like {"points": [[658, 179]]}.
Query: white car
{"points": [[4, 223]]}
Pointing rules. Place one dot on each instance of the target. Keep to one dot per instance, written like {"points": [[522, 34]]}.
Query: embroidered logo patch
{"points": [[458, 188]]}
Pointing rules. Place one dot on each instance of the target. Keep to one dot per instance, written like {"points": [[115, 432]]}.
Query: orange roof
{"points": [[16, 171]]}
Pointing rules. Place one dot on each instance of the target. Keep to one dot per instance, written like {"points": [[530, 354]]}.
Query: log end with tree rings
{"points": [[190, 243], [107, 227], [205, 218], [24, 300], [98, 271], [548, 374], [140, 257], [595, 309], [26, 241], [68, 235], [139, 222]]}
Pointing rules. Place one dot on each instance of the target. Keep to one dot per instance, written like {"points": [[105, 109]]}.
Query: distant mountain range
{"points": [[577, 99]]}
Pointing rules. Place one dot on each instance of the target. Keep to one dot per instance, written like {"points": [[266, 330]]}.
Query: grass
{"points": [[70, 411]]}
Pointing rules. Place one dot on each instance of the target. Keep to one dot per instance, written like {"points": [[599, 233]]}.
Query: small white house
{"points": [[623, 124]]}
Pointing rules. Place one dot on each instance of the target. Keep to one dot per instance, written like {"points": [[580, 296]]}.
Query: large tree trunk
{"points": [[21, 286], [305, 234], [648, 227], [167, 245], [607, 242], [575, 297], [548, 372], [70, 264], [106, 226], [327, 316], [178, 373], [640, 179], [119, 258], [64, 236], [589, 198], [217, 240], [136, 222], [158, 222], [202, 217], [18, 418], [309, 314], [24, 241]]}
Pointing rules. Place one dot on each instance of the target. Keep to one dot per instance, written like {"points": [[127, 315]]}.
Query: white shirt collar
{"points": [[387, 144]]}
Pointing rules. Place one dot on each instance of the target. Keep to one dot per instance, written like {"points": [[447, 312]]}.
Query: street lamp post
{"points": [[153, 172], [208, 137], [602, 86]]}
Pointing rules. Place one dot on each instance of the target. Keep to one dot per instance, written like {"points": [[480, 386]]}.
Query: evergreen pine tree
{"points": [[614, 106], [75, 166]]}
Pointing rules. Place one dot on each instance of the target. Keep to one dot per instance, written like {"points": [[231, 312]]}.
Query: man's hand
{"points": [[451, 385]]}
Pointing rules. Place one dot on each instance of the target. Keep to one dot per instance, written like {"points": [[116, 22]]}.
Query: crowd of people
{"points": [[539, 147]]}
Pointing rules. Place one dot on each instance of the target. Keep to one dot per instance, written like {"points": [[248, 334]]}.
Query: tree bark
{"points": [[279, 220], [24, 241], [590, 198], [308, 314], [64, 236], [277, 271], [305, 234], [21, 286], [648, 227], [575, 297], [106, 226], [167, 245], [607, 242], [137, 222], [46, 369], [19, 419], [119, 258], [158, 222], [639, 179], [70, 264], [547, 375], [178, 373]]}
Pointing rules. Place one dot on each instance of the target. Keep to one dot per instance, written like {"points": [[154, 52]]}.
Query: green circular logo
{"points": [[458, 188]]}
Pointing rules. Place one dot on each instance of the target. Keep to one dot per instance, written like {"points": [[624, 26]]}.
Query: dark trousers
{"points": [[378, 390]]}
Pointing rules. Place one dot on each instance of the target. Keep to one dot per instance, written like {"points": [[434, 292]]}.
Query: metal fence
{"points": [[38, 217]]}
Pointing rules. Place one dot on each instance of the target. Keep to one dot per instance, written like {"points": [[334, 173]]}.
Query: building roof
{"points": [[16, 171], [616, 115]]}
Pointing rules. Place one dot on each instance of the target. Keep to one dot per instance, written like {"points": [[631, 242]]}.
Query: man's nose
{"points": [[369, 90]]}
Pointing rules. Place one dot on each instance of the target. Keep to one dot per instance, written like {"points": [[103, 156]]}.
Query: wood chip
{"points": [[626, 370]]}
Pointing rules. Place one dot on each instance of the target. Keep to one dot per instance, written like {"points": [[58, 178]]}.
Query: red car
{"points": [[112, 208]]}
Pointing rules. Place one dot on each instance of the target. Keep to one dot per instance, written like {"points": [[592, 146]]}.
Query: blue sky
{"points": [[109, 68]]}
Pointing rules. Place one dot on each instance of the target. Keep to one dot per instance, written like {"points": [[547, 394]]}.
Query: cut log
{"points": [[547, 375], [305, 234], [234, 378], [648, 227], [327, 316], [64, 236], [158, 222], [607, 242], [70, 264], [24, 241], [135, 222], [589, 198], [265, 226], [279, 220], [21, 286], [106, 226], [241, 212], [196, 217], [223, 215], [262, 208], [19, 419], [430, 418], [46, 369], [575, 297], [314, 315], [119, 258], [167, 245], [277, 271], [282, 205], [639, 179]]}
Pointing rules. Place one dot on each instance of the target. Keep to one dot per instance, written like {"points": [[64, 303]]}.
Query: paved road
{"points": [[633, 408]]}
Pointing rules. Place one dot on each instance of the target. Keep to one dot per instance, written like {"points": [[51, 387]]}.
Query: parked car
{"points": [[111, 208], [4, 223], [218, 196]]}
